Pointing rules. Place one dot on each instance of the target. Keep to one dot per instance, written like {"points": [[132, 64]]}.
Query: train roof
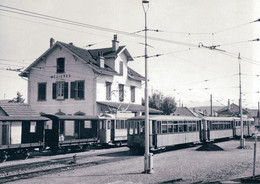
{"points": [[23, 118], [71, 117], [166, 118], [218, 118]]}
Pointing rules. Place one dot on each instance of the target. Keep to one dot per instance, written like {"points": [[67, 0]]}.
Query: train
{"points": [[167, 131], [80, 132]]}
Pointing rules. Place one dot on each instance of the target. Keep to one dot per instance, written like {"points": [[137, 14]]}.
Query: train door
{"points": [[208, 129], [154, 133], [113, 127], [5, 134]]}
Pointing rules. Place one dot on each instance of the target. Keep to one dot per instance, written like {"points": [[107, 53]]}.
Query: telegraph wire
{"points": [[75, 23]]}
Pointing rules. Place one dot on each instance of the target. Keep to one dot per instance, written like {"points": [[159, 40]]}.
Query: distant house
{"points": [[184, 111], [232, 110], [70, 80], [206, 110]]}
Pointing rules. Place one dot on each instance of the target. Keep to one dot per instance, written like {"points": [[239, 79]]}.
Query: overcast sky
{"points": [[184, 71]]}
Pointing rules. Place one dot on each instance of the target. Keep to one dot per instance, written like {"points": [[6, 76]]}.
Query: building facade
{"points": [[70, 80]]}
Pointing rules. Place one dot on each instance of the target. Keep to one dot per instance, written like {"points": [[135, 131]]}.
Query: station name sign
{"points": [[60, 76]]}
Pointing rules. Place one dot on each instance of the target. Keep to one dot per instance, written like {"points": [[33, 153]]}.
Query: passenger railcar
{"points": [[248, 126], [112, 129], [20, 135], [217, 128], [70, 132], [164, 131]]}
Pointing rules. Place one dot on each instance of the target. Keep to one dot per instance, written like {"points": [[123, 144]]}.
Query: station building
{"points": [[68, 80]]}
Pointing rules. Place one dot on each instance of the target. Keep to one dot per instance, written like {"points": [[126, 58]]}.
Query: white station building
{"points": [[70, 80]]}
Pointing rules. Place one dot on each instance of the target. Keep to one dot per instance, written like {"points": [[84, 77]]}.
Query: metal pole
{"points": [[147, 156], [242, 140], [254, 155]]}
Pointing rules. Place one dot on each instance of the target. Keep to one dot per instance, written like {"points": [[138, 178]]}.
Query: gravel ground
{"points": [[178, 166]]}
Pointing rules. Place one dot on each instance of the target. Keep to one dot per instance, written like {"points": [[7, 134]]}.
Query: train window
{"points": [[108, 124], [164, 129], [131, 130], [190, 127], [185, 128], [180, 128], [142, 127], [175, 122], [170, 128], [49, 125], [32, 126], [164, 122], [123, 124], [103, 125], [194, 129], [87, 124], [175, 127]]}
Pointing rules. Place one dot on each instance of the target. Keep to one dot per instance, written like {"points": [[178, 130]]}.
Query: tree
{"points": [[165, 104], [18, 98], [168, 105]]}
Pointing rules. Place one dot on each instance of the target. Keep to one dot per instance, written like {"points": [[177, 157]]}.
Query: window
{"points": [[108, 90], [77, 90], [87, 124], [132, 93], [32, 126], [60, 65], [121, 92], [60, 90], [41, 91], [121, 69]]}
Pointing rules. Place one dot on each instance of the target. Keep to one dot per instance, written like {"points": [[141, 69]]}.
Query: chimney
{"points": [[101, 60], [228, 104], [115, 44], [51, 42]]}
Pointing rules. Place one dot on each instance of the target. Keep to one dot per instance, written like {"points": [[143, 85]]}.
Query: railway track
{"points": [[29, 170]]}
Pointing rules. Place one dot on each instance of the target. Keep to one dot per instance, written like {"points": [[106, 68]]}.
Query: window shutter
{"points": [[66, 87], [72, 89], [81, 89], [53, 90]]}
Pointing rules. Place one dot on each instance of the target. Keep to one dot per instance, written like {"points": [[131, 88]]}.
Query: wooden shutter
{"points": [[53, 90], [66, 87], [72, 89], [81, 89]]}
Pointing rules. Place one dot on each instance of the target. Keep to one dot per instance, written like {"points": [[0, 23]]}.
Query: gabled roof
{"points": [[233, 109], [134, 75], [129, 107], [109, 53], [89, 56], [17, 112], [184, 111], [76, 51], [17, 109]]}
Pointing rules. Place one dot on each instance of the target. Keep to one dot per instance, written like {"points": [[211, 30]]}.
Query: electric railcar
{"points": [[164, 131], [112, 129], [175, 130]]}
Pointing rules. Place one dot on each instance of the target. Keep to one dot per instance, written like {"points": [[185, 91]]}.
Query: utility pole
{"points": [[211, 108], [148, 157], [242, 140]]}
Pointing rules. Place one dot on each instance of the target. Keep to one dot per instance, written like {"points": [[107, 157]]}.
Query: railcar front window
{"points": [[164, 129], [170, 128], [181, 128], [175, 127]]}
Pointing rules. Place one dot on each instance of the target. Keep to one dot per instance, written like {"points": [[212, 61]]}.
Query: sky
{"points": [[182, 70]]}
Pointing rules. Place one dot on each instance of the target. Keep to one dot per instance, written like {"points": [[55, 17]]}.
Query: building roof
{"points": [[184, 111], [17, 111], [205, 110], [129, 107], [233, 110], [90, 57]]}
